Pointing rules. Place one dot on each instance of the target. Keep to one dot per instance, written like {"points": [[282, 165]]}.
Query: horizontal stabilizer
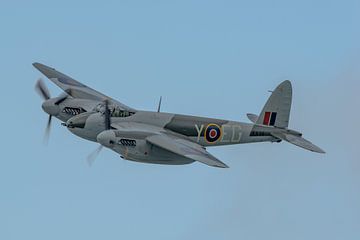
{"points": [[252, 117], [298, 141]]}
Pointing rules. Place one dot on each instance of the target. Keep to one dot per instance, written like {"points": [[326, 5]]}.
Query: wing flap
{"points": [[186, 149]]}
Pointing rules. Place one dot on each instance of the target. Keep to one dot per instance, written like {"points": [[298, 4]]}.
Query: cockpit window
{"points": [[114, 111], [99, 108], [117, 112]]}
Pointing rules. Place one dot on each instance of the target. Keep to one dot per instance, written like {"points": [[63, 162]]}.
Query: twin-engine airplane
{"points": [[158, 137]]}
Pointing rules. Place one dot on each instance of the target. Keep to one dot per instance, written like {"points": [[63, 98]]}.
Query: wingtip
{"points": [[225, 166], [317, 150], [39, 66], [321, 151], [221, 165]]}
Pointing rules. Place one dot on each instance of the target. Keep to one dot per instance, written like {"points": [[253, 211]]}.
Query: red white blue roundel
{"points": [[212, 133]]}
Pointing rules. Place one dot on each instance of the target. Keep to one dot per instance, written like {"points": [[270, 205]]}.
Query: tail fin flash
{"points": [[276, 111]]}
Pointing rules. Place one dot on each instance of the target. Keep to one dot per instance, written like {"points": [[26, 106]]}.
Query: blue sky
{"points": [[208, 58]]}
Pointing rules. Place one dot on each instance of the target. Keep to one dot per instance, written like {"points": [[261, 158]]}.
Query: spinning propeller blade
{"points": [[92, 157], [42, 90], [47, 131], [107, 115], [107, 120], [62, 98], [44, 93]]}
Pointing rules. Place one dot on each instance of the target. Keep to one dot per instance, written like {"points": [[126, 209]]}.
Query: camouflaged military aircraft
{"points": [[158, 137]]}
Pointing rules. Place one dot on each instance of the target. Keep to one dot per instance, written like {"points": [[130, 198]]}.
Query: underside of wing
{"points": [[185, 149], [73, 87]]}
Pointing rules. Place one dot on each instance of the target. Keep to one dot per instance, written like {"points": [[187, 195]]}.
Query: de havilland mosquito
{"points": [[158, 137]]}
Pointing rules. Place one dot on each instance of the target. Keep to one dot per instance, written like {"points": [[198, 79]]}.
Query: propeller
{"points": [[107, 121], [41, 89], [47, 131], [92, 156], [61, 98], [44, 93]]}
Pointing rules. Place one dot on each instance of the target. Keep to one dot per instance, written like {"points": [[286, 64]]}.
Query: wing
{"points": [[73, 87], [169, 142], [185, 148]]}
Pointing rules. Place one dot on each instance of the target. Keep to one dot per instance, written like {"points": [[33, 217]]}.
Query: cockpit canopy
{"points": [[115, 111]]}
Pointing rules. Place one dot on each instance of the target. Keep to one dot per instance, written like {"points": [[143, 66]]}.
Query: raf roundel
{"points": [[212, 133]]}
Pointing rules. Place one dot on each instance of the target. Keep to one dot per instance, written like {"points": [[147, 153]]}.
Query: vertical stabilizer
{"points": [[276, 111]]}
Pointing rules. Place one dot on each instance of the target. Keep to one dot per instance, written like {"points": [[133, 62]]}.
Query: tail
{"points": [[276, 111], [274, 118]]}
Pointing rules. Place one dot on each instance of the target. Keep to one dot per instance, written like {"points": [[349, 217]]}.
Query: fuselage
{"points": [[82, 119], [201, 130]]}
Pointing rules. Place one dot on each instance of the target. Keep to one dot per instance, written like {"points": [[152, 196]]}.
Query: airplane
{"points": [[159, 137]]}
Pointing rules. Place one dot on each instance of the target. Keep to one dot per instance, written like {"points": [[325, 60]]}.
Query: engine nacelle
{"points": [[130, 145], [50, 107]]}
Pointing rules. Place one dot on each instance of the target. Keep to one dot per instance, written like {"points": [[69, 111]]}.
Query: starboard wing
{"points": [[169, 142]]}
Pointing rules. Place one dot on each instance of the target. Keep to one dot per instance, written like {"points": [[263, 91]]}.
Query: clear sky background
{"points": [[208, 58]]}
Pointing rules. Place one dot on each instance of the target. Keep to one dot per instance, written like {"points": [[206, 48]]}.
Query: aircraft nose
{"points": [[106, 138], [50, 108]]}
